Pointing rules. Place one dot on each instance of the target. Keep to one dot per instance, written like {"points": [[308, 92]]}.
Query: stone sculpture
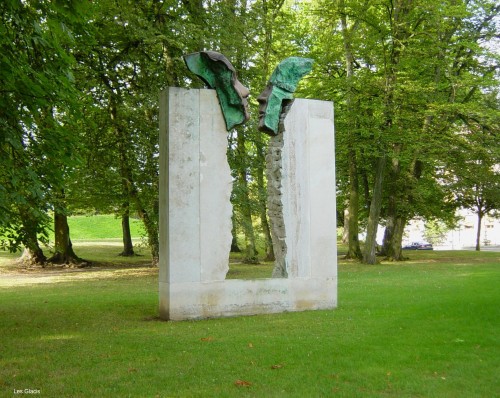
{"points": [[195, 189], [195, 212], [278, 94], [274, 102], [218, 73]]}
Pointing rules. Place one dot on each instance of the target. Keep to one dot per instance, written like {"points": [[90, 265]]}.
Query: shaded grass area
{"points": [[98, 239], [107, 253], [427, 328], [104, 253], [250, 271]]}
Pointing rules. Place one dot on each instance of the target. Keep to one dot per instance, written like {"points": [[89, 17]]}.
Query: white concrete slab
{"points": [[215, 190]]}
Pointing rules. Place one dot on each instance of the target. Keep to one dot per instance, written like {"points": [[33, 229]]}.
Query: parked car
{"points": [[418, 246]]}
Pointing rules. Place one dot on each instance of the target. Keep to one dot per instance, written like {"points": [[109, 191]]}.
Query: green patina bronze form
{"points": [[278, 93], [218, 73]]}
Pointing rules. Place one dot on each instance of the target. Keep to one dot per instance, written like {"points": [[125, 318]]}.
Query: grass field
{"points": [[425, 328], [104, 226]]}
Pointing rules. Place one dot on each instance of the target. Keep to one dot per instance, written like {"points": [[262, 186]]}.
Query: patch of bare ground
{"points": [[17, 274]]}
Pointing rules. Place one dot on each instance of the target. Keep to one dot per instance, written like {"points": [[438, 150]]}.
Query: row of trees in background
{"points": [[415, 86], [418, 105]]}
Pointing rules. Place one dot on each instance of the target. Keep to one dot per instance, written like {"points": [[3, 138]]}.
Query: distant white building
{"points": [[464, 236]]}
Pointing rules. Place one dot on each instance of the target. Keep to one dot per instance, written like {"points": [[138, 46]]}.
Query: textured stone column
{"points": [[195, 188], [274, 169]]}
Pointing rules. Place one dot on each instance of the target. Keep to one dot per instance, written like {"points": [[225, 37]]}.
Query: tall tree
{"points": [[351, 221], [37, 93], [134, 53]]}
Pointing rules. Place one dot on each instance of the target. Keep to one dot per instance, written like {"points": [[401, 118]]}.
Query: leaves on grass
{"points": [[441, 375], [242, 383], [209, 338], [250, 345], [277, 366]]}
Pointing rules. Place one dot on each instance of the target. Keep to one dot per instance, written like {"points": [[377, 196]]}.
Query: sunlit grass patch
{"points": [[103, 226]]}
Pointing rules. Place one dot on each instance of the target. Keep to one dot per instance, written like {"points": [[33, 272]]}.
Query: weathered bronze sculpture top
{"points": [[218, 73], [279, 91]]}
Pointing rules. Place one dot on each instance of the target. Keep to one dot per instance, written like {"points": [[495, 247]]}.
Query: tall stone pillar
{"points": [[195, 190]]}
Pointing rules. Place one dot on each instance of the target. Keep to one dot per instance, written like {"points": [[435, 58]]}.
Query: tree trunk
{"points": [[393, 236], [126, 176], [397, 241], [261, 160], [366, 187], [250, 253], [32, 253], [388, 233], [151, 228], [33, 256], [392, 211], [399, 33], [234, 241], [63, 248], [394, 249], [478, 233], [128, 246], [369, 253], [354, 250]]}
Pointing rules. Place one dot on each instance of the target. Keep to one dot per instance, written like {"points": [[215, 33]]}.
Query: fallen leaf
{"points": [[278, 366], [209, 338], [242, 383], [250, 345], [132, 370]]}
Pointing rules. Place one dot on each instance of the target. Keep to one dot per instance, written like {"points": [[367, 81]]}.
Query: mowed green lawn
{"points": [[427, 328], [103, 226]]}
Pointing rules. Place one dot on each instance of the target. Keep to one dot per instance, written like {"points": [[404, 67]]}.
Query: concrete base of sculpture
{"points": [[233, 297], [195, 212]]}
